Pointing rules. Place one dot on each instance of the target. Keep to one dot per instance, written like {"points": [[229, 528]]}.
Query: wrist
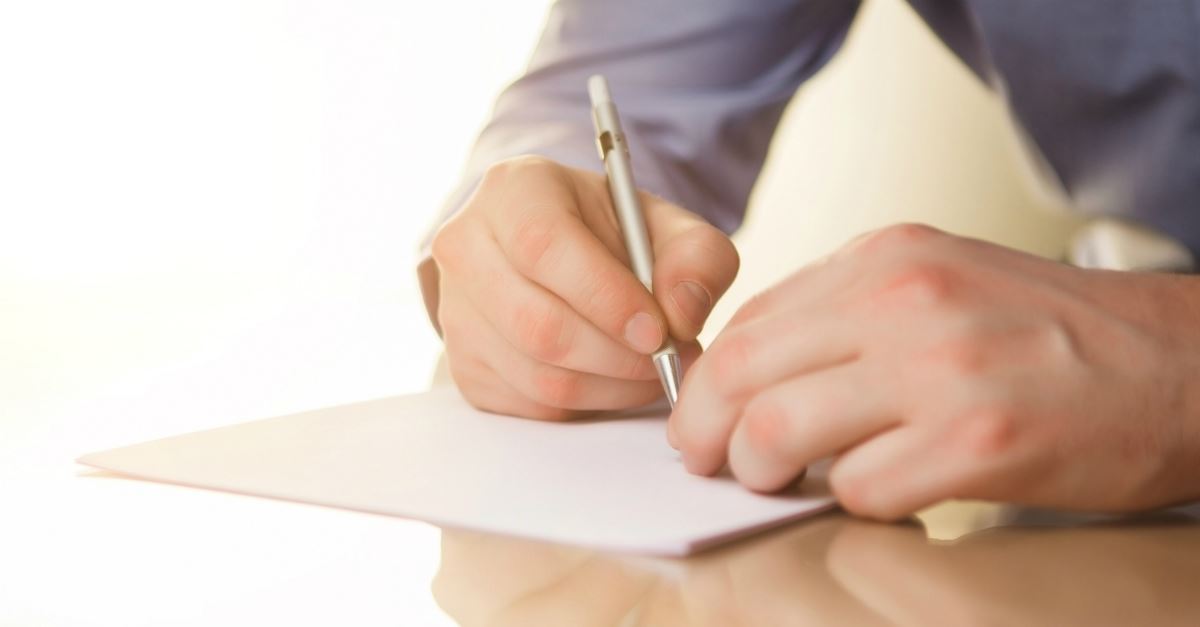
{"points": [[1170, 312]]}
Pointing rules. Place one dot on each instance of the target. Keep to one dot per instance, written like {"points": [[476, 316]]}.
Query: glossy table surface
{"points": [[992, 566], [84, 548], [107, 550]]}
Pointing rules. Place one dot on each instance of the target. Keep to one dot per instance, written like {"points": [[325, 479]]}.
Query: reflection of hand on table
{"points": [[779, 579], [1120, 574], [496, 580], [834, 570]]}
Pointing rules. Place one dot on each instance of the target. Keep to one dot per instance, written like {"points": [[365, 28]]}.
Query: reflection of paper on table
{"points": [[610, 484]]}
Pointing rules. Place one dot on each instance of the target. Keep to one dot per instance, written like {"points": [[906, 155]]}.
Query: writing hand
{"points": [[539, 311]]}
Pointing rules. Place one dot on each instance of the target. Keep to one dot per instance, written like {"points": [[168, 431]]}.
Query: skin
{"points": [[929, 366], [539, 311], [933, 367]]}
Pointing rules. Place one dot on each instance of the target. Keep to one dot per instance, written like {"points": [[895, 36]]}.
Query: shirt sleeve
{"points": [[700, 85]]}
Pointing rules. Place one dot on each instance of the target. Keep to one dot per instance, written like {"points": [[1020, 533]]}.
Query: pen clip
{"points": [[605, 143]]}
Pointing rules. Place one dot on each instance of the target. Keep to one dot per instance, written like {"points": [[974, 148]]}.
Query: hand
{"points": [[935, 367], [540, 313]]}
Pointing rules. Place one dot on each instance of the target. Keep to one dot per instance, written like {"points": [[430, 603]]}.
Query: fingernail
{"points": [[672, 439], [643, 333], [693, 301]]}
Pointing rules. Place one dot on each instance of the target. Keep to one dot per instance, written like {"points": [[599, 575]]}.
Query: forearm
{"points": [[701, 86]]}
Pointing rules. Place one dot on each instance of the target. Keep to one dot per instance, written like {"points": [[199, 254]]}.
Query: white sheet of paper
{"points": [[610, 484]]}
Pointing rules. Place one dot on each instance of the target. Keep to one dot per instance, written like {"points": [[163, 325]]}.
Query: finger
{"points": [[550, 386], [896, 473], [553, 386], [694, 264], [689, 354], [788, 426], [485, 389], [539, 323], [743, 361], [492, 394], [547, 241]]}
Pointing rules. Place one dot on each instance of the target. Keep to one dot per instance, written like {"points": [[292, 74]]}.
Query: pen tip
{"points": [[670, 373], [598, 89]]}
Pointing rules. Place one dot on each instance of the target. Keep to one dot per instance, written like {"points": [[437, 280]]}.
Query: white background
{"points": [[228, 182], [209, 213]]}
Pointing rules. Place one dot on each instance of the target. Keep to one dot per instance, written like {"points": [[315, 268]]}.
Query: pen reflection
{"points": [[840, 571]]}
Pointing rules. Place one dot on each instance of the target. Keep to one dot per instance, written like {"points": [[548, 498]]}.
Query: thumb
{"points": [[694, 263]]}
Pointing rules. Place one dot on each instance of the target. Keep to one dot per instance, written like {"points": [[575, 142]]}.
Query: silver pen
{"points": [[614, 151]]}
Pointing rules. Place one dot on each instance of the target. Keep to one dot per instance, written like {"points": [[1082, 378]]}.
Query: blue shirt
{"points": [[1107, 90]]}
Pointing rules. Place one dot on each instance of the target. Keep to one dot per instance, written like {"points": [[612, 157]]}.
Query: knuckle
{"points": [[728, 361], [610, 302], [532, 240], [710, 248], [503, 172], [918, 283], [530, 164], [888, 241], [767, 426], [986, 431], [495, 175], [636, 367], [447, 245], [542, 331], [960, 358], [556, 387], [1056, 341], [898, 236]]}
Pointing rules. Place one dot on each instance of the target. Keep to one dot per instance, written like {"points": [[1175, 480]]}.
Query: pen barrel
{"points": [[629, 214], [614, 152], [628, 208]]}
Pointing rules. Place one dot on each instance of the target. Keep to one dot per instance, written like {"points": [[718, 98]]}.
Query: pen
{"points": [[614, 152]]}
